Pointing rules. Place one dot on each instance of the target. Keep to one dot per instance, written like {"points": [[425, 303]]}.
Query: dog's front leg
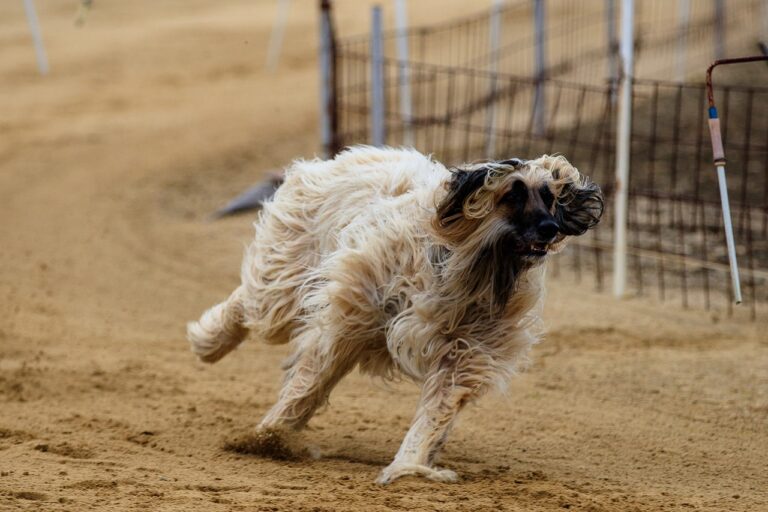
{"points": [[441, 400]]}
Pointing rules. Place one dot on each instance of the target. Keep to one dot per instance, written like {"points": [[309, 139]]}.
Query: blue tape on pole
{"points": [[713, 112]]}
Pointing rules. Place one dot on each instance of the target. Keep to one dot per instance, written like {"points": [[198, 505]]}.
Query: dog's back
{"points": [[301, 227]]}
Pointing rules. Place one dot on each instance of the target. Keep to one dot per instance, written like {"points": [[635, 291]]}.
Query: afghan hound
{"points": [[386, 260]]}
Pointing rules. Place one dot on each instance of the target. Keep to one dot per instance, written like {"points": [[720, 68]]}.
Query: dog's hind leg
{"points": [[310, 377], [219, 330]]}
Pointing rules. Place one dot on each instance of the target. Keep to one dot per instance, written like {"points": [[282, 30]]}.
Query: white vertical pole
{"points": [[404, 78], [719, 29], [539, 66], [683, 20], [37, 37], [729, 240], [718, 157], [326, 79], [622, 149], [278, 31], [493, 50], [378, 135]]}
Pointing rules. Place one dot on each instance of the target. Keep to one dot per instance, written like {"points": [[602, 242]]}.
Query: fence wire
{"points": [[465, 108]]}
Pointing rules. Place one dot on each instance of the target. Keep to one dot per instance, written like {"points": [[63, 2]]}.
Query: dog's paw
{"points": [[397, 470]]}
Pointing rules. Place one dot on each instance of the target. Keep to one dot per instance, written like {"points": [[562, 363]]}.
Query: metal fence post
{"points": [[764, 26], [719, 29], [404, 76], [37, 37], [378, 133], [623, 149], [328, 111], [683, 20], [493, 49], [613, 62], [539, 106]]}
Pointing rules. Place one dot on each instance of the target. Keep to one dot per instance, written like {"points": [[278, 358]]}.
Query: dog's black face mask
{"points": [[532, 224]]}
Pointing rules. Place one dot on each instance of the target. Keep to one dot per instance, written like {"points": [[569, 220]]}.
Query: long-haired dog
{"points": [[386, 260]]}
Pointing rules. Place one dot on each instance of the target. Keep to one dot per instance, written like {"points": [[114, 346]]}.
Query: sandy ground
{"points": [[157, 112]]}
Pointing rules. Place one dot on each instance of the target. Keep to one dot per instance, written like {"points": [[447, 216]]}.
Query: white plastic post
{"points": [[622, 149], [378, 135], [718, 157], [404, 78], [278, 31], [683, 20], [730, 242], [37, 37], [493, 50], [326, 79]]}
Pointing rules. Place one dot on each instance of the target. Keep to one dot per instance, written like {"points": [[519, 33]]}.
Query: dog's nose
{"points": [[547, 230]]}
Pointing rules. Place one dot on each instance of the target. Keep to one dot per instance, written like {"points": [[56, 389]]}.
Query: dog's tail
{"points": [[219, 330]]}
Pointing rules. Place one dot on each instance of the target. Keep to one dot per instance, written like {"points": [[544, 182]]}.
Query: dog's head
{"points": [[536, 204], [514, 212]]}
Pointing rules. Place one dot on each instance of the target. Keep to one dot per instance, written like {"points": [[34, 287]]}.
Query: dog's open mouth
{"points": [[538, 249]]}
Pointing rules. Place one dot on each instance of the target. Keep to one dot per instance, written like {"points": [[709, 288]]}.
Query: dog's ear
{"points": [[579, 207], [451, 221]]}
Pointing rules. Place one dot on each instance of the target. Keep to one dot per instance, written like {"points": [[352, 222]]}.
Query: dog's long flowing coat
{"points": [[386, 260]]}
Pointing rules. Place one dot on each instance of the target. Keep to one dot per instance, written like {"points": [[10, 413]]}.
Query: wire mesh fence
{"points": [[465, 107], [580, 38]]}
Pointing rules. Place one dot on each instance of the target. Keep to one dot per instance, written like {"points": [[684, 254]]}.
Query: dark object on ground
{"points": [[252, 198]]}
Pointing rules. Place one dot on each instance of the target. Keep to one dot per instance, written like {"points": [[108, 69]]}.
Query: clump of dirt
{"points": [[66, 450], [30, 495], [92, 484], [18, 435], [142, 438], [269, 443]]}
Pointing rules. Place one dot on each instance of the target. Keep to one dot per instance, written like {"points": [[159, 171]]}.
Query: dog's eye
{"points": [[547, 196], [517, 195]]}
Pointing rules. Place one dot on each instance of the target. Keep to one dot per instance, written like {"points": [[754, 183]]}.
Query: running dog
{"points": [[386, 260]]}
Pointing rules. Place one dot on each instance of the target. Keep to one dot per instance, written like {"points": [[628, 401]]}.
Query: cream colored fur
{"points": [[350, 265]]}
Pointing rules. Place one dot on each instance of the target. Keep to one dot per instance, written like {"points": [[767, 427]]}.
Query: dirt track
{"points": [[157, 112]]}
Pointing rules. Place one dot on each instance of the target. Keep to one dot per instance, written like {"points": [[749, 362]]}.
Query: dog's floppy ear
{"points": [[514, 162], [450, 220], [579, 207]]}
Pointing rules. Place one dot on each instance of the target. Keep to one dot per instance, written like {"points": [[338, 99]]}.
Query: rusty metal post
{"points": [[540, 67], [493, 66], [612, 47]]}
